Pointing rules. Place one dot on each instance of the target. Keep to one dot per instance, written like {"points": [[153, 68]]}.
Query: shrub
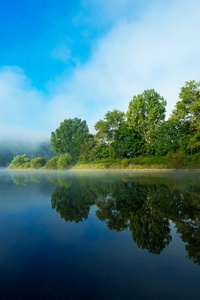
{"points": [[125, 162], [52, 163], [18, 161], [64, 160], [38, 162], [107, 165], [26, 165], [177, 159]]}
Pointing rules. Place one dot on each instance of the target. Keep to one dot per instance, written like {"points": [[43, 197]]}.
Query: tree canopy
{"points": [[142, 131], [127, 142], [106, 128], [171, 136], [68, 138], [188, 110], [145, 112]]}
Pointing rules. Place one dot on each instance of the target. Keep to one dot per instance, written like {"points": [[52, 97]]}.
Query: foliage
{"points": [[68, 138], [146, 112], [194, 160], [188, 109], [9, 150], [177, 159], [64, 161], [140, 162], [128, 142], [26, 165], [38, 162], [52, 163], [102, 150], [86, 149], [19, 161], [106, 128], [171, 136], [143, 140], [125, 162]]}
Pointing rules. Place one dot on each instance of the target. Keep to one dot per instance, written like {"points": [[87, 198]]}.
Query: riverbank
{"points": [[140, 163], [175, 161]]}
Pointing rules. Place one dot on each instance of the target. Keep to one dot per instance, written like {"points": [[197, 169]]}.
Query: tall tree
{"points": [[171, 136], [128, 142], [68, 138], [145, 112], [188, 110], [106, 128]]}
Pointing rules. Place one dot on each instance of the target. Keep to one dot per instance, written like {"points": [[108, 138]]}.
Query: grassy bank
{"points": [[176, 160], [153, 162]]}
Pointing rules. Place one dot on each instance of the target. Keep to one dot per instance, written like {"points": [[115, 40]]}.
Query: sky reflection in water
{"points": [[99, 235]]}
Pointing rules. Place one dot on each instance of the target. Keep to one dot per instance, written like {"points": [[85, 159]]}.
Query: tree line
{"points": [[141, 131]]}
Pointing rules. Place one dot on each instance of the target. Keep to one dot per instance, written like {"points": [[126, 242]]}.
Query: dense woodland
{"points": [[140, 134]]}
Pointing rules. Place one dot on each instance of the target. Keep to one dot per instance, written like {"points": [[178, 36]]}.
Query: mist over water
{"points": [[32, 147]]}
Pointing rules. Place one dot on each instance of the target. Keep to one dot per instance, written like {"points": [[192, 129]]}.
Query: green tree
{"points": [[188, 110], [52, 163], [38, 162], [127, 142], [177, 159], [20, 161], [146, 112], [68, 138], [86, 149], [64, 160], [106, 128], [102, 150], [171, 136]]}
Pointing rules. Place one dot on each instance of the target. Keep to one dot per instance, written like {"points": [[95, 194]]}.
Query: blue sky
{"points": [[65, 59]]}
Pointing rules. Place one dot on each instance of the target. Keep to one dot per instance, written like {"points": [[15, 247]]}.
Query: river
{"points": [[99, 235]]}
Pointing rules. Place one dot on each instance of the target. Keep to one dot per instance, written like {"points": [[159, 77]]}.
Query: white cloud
{"points": [[21, 107], [103, 13], [159, 49]]}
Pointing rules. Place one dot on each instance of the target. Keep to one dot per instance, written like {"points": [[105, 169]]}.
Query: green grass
{"points": [[142, 162], [151, 162]]}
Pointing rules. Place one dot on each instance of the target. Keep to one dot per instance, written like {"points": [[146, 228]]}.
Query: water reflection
{"points": [[141, 203], [131, 206], [189, 225], [73, 203]]}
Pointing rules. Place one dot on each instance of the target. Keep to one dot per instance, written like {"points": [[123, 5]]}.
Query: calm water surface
{"points": [[99, 235]]}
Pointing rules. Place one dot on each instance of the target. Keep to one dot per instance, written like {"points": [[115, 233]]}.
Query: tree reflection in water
{"points": [[142, 204], [189, 225], [72, 199], [71, 203], [131, 206]]}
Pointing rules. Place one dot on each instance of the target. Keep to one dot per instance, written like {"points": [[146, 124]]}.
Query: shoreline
{"points": [[105, 169]]}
